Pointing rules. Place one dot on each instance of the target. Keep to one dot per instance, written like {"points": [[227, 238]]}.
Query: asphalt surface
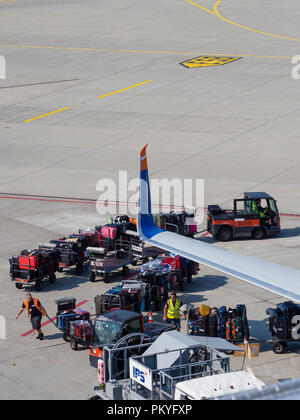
{"points": [[87, 85]]}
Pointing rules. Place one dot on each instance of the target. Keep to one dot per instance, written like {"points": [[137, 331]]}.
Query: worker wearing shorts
{"points": [[35, 312], [171, 311]]}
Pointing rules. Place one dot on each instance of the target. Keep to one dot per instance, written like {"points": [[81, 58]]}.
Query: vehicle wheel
{"points": [[74, 344], [93, 277], [38, 285], [78, 269], [52, 278], [105, 278], [66, 337], [225, 234], [134, 263], [145, 260], [279, 348], [258, 234], [126, 271], [19, 286], [60, 269]]}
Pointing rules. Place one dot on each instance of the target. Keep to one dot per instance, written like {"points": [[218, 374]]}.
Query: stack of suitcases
{"points": [[231, 324], [284, 321], [67, 312]]}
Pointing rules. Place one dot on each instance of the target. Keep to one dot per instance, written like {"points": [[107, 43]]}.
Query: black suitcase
{"points": [[281, 327], [65, 304], [212, 325], [202, 325]]}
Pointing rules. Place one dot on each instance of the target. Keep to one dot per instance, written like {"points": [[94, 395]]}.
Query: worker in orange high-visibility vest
{"points": [[171, 311], [35, 311]]}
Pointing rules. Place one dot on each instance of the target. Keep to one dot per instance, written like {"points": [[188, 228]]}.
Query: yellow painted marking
{"points": [[208, 61], [191, 53], [46, 115], [201, 7], [246, 27], [122, 90]]}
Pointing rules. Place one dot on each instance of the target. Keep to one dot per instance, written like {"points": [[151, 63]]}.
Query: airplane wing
{"points": [[276, 278]]}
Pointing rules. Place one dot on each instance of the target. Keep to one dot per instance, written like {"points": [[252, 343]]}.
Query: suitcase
{"points": [[173, 262], [64, 304], [222, 316], [202, 325], [204, 310], [109, 232], [293, 308], [231, 324], [282, 309], [97, 301], [212, 325], [281, 327]]}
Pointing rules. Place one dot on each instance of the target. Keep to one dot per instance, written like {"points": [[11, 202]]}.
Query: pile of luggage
{"points": [[229, 324], [71, 321], [34, 266], [129, 295], [284, 321], [179, 222]]}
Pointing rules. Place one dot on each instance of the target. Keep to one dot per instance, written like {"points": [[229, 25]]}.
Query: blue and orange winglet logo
{"points": [[143, 156]]}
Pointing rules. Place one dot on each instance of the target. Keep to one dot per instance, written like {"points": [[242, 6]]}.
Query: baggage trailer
{"points": [[102, 261], [254, 216], [72, 252], [141, 251], [34, 267], [182, 270], [284, 325]]}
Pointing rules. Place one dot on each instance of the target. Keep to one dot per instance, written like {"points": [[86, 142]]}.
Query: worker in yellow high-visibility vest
{"points": [[171, 311]]}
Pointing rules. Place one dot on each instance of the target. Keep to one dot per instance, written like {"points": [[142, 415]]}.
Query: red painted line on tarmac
{"points": [[52, 319]]}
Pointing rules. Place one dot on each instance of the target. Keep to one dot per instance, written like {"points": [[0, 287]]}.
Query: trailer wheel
{"points": [[38, 285], [258, 234], [60, 270], [74, 344], [279, 348], [105, 277], [93, 277], [19, 286], [79, 269], [66, 337], [52, 278], [225, 234]]}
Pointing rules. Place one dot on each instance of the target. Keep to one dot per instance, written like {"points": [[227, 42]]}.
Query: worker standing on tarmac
{"points": [[35, 312], [171, 311]]}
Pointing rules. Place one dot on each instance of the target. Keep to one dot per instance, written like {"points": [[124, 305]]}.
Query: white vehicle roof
{"points": [[217, 385]]}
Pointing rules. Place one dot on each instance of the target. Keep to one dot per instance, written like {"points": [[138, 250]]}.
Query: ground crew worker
{"points": [[171, 311], [35, 312]]}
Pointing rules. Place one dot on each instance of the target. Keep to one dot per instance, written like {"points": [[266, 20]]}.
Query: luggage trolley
{"points": [[102, 262], [141, 251], [284, 325], [72, 253], [34, 267], [75, 324]]}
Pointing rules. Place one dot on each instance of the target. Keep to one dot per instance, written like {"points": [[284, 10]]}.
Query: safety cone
{"points": [[150, 317]]}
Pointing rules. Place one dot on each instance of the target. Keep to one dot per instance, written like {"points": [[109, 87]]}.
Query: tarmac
{"points": [[87, 85]]}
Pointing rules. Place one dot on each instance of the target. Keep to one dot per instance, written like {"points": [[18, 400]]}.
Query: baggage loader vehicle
{"points": [[34, 266], [103, 262], [254, 216]]}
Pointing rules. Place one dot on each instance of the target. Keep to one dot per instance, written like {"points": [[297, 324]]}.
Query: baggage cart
{"points": [[103, 262], [80, 334], [141, 251], [34, 267], [72, 252]]}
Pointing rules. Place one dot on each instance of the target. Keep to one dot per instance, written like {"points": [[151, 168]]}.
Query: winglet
{"points": [[146, 227]]}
